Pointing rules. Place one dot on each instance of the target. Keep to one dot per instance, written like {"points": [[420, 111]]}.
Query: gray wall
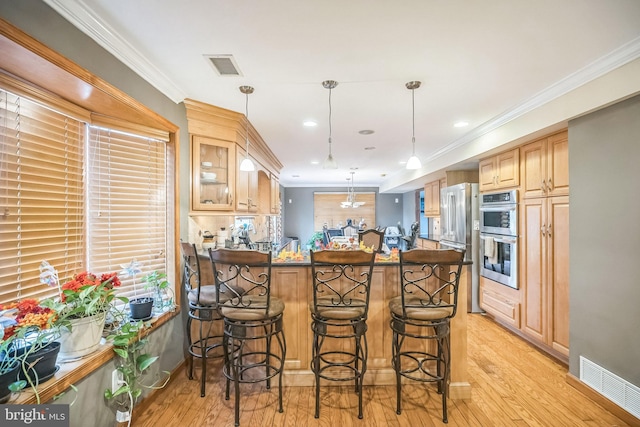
{"points": [[41, 22], [604, 160], [297, 216]]}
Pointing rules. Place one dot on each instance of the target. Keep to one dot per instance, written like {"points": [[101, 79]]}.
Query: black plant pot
{"points": [[141, 308], [6, 380], [40, 365]]}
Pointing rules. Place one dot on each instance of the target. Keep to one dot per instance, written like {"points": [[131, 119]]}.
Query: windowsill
{"points": [[73, 371]]}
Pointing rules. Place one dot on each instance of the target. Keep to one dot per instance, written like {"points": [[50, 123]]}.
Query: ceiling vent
{"points": [[224, 65]]}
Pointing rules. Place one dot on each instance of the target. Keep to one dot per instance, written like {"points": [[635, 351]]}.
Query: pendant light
{"points": [[414, 161], [247, 164], [351, 196], [329, 163]]}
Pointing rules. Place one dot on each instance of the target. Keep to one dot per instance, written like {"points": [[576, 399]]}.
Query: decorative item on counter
{"points": [[208, 240], [223, 235]]}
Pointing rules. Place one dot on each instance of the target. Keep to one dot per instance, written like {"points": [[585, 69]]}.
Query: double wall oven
{"points": [[499, 237]]}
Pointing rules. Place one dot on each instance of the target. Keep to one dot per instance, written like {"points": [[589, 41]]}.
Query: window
{"points": [[127, 204], [80, 209], [41, 196]]}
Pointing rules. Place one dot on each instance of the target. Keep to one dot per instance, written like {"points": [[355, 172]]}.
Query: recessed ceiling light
{"points": [[461, 124], [315, 162], [366, 132], [309, 123]]}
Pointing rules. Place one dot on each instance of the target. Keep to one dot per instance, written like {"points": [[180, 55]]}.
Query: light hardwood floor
{"points": [[513, 384]]}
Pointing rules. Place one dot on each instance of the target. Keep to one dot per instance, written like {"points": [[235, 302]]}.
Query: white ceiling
{"points": [[478, 61]]}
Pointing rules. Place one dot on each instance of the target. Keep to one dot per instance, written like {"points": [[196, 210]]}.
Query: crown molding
{"points": [[87, 21], [603, 65]]}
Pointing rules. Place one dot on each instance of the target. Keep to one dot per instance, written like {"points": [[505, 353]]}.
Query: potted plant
{"points": [[132, 364], [156, 283], [9, 366], [82, 306], [28, 340], [140, 307]]}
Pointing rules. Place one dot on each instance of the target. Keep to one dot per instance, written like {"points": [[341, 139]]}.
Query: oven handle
{"points": [[498, 208], [500, 239]]}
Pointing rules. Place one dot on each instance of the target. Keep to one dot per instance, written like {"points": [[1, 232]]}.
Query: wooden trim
{"points": [[24, 56], [127, 126], [73, 372], [43, 97], [607, 404]]}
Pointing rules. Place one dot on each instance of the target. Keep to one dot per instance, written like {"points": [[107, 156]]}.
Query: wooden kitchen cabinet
{"points": [[275, 195], [500, 171], [544, 167], [544, 272], [219, 140], [432, 199], [212, 174], [501, 301]]}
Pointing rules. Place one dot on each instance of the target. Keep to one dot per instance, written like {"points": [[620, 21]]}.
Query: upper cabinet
{"points": [[432, 197], [217, 149], [500, 171], [275, 194], [212, 174], [545, 167]]}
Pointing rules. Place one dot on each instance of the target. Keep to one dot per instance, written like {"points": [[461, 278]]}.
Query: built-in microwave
{"points": [[499, 213]]}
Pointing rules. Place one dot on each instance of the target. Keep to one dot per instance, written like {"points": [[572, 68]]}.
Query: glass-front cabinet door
{"points": [[212, 174]]}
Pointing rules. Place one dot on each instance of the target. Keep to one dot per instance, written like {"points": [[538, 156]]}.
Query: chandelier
{"points": [[351, 196]]}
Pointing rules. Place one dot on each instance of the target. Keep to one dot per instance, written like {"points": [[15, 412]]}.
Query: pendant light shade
{"points": [[414, 161], [330, 162], [247, 165]]}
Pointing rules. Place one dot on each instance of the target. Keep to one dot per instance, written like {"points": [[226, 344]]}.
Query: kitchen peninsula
{"points": [[291, 281]]}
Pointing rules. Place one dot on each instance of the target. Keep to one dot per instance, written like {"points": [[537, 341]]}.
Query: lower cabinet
{"points": [[544, 271], [501, 301]]}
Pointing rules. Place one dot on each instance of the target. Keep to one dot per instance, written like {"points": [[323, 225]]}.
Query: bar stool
{"points": [[341, 285], [252, 319], [428, 300], [372, 239], [201, 300]]}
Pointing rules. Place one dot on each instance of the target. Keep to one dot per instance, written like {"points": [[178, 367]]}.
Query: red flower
{"points": [[30, 314]]}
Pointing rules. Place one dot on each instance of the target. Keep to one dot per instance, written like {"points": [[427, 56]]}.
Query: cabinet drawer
{"points": [[501, 307]]}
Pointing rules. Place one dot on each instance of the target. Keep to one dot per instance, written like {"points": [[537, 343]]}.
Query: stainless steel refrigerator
{"points": [[460, 229]]}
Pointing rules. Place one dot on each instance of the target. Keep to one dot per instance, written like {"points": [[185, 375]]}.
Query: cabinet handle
{"points": [[542, 230], [549, 230], [549, 186], [543, 186]]}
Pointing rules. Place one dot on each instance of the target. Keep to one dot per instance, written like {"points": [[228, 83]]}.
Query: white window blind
{"points": [[126, 205], [41, 196]]}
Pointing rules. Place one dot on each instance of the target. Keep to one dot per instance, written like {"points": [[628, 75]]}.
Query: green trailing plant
{"points": [[133, 363]]}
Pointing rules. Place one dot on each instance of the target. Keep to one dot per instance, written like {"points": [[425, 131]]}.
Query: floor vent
{"points": [[611, 386]]}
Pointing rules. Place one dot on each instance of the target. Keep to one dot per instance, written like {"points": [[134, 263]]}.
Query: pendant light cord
{"points": [[246, 109], [413, 120], [330, 89]]}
